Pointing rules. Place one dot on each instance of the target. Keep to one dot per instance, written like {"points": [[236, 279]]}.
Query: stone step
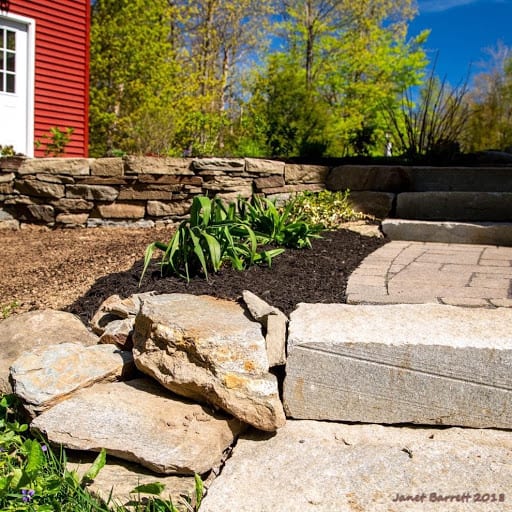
{"points": [[407, 363], [463, 206], [312, 466], [482, 233], [395, 178]]}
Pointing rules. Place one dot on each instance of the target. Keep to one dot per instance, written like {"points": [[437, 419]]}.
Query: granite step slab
{"points": [[403, 363], [485, 233]]}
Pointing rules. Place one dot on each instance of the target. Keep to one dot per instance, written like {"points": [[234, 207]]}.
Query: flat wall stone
{"points": [[219, 164], [425, 364], [92, 192], [145, 193], [296, 174], [121, 211], [157, 165], [477, 206], [160, 209], [65, 166], [107, 167], [254, 165], [39, 188], [7, 177], [67, 205], [72, 219]]}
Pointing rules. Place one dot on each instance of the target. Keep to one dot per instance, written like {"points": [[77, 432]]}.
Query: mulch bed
{"points": [[317, 275]]}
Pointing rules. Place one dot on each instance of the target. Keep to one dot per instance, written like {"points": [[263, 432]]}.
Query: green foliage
{"points": [[7, 310], [55, 141], [135, 85], [325, 208], [7, 151], [490, 100], [216, 234], [169, 77], [273, 225], [432, 127], [32, 477], [323, 92], [213, 235]]}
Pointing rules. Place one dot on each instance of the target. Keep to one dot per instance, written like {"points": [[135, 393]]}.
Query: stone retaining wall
{"points": [[141, 191], [147, 191]]}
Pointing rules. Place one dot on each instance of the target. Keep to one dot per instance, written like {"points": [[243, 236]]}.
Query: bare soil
{"points": [[75, 270]]}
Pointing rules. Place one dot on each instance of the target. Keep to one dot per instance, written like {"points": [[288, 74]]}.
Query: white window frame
{"points": [[31, 53]]}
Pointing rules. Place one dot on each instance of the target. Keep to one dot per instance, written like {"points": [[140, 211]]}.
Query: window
{"points": [[7, 60]]}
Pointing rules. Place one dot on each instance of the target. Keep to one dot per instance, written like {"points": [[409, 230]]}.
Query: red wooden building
{"points": [[44, 73]]}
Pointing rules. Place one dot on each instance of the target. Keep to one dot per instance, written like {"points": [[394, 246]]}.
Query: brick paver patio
{"points": [[425, 272]]}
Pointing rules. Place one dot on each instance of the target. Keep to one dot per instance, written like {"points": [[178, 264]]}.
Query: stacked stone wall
{"points": [[148, 191], [138, 191]]}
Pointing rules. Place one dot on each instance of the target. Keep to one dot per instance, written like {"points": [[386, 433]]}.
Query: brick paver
{"points": [[427, 272]]}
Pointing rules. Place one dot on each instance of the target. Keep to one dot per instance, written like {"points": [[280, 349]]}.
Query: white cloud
{"points": [[442, 5]]}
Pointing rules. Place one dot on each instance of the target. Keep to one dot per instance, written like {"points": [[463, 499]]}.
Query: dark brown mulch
{"points": [[316, 275]]}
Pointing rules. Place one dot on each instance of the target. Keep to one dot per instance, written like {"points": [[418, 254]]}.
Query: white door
{"points": [[16, 76]]}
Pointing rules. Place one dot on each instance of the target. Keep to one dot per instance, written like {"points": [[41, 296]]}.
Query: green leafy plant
{"points": [[277, 225], [56, 141], [325, 208], [239, 234], [158, 504], [213, 235], [32, 477]]}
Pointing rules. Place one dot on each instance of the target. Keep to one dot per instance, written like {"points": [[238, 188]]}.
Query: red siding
{"points": [[61, 68]]}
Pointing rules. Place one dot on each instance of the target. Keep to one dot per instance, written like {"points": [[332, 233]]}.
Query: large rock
{"points": [[412, 363], [140, 421], [45, 376], [206, 349], [157, 165], [326, 467], [114, 308], [118, 478], [34, 329]]}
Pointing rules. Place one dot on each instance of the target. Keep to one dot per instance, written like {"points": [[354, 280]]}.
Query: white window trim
{"points": [[31, 53]]}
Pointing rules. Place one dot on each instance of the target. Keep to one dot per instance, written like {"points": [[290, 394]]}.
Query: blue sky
{"points": [[460, 32]]}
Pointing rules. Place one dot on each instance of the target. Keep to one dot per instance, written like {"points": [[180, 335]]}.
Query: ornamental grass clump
{"points": [[240, 234]]}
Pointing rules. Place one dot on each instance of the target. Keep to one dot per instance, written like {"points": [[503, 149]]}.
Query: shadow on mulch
{"points": [[317, 275]]}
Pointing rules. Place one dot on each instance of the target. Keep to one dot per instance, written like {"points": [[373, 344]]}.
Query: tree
{"points": [[135, 79], [490, 103], [354, 58], [220, 40]]}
